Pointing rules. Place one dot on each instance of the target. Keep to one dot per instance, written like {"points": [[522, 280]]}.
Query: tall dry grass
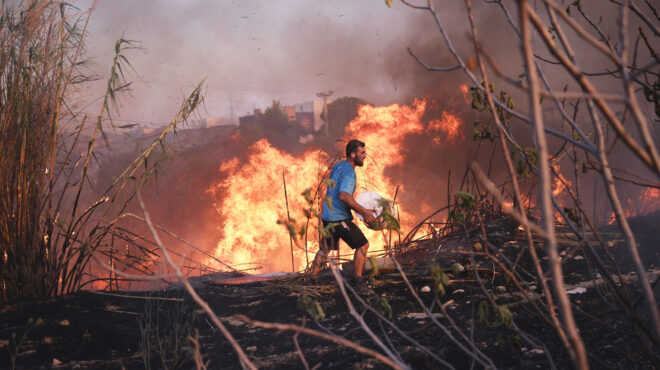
{"points": [[49, 231]]}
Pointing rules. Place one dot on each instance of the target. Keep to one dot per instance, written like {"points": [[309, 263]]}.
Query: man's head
{"points": [[356, 152]]}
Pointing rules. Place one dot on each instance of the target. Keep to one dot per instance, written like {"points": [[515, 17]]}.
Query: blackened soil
{"points": [[152, 329]]}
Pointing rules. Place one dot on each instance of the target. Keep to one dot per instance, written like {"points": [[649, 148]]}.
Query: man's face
{"points": [[359, 155]]}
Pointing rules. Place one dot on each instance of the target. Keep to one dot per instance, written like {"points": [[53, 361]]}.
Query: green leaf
{"points": [[456, 216], [505, 316], [308, 195], [312, 307], [328, 202], [482, 313], [440, 279], [374, 266], [325, 231], [467, 200], [381, 304], [330, 183]]}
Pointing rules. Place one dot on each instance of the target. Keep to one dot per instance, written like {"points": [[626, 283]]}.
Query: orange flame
{"points": [[466, 93], [449, 124], [560, 182], [647, 202], [254, 200]]}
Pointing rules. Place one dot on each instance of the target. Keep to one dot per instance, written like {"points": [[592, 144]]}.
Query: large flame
{"points": [[251, 198]]}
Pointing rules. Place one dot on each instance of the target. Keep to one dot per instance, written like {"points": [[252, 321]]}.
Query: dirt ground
{"points": [[116, 330]]}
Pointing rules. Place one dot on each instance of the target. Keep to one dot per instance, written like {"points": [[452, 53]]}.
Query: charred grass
{"points": [[98, 330]]}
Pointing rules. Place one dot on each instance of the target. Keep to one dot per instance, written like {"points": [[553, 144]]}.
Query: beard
{"points": [[358, 162]]}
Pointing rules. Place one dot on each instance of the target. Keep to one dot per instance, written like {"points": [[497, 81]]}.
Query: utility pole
{"points": [[325, 95], [231, 110]]}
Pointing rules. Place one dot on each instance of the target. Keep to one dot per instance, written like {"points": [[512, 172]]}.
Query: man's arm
{"points": [[348, 200]]}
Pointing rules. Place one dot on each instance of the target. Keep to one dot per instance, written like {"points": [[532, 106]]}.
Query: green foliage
{"points": [[388, 220], [480, 103], [381, 304], [328, 202], [482, 132], [374, 267], [51, 223], [325, 231], [330, 183], [275, 115], [291, 226], [525, 163], [440, 279], [311, 306], [302, 231], [467, 200], [482, 313], [522, 169], [307, 193], [465, 204], [456, 216], [500, 314]]}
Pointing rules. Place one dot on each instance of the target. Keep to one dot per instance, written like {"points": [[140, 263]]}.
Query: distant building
{"points": [[316, 108], [250, 119], [308, 116], [306, 122], [290, 111]]}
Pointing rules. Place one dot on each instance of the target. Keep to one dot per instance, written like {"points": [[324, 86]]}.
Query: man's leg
{"points": [[359, 258]]}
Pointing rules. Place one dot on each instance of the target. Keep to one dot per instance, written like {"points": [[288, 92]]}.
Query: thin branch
{"points": [[245, 361], [318, 334]]}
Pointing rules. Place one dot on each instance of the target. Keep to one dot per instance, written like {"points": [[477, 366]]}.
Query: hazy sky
{"points": [[252, 52]]}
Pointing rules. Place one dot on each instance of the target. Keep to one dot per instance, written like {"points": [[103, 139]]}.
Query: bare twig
{"points": [[245, 361], [316, 333]]}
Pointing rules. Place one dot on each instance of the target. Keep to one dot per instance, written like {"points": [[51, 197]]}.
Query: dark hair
{"points": [[352, 145]]}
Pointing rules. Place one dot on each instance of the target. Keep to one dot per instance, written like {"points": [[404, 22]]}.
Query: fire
{"points": [[449, 124], [560, 182], [647, 202], [466, 93], [383, 130], [254, 200], [251, 198]]}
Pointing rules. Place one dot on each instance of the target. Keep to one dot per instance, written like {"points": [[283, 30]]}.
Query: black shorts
{"points": [[347, 231]]}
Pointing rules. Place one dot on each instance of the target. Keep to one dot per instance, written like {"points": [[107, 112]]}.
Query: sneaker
{"points": [[361, 285]]}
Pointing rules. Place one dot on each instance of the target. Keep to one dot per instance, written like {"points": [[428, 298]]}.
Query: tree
{"points": [[275, 115], [551, 35]]}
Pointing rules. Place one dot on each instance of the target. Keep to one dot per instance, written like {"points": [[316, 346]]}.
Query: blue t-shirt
{"points": [[344, 176]]}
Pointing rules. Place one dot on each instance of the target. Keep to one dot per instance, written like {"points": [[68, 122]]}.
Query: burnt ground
{"points": [[150, 329]]}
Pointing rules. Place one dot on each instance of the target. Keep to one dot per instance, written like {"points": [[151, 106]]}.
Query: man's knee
{"points": [[363, 249]]}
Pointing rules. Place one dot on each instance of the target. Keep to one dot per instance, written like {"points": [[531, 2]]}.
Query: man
{"points": [[341, 196]]}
